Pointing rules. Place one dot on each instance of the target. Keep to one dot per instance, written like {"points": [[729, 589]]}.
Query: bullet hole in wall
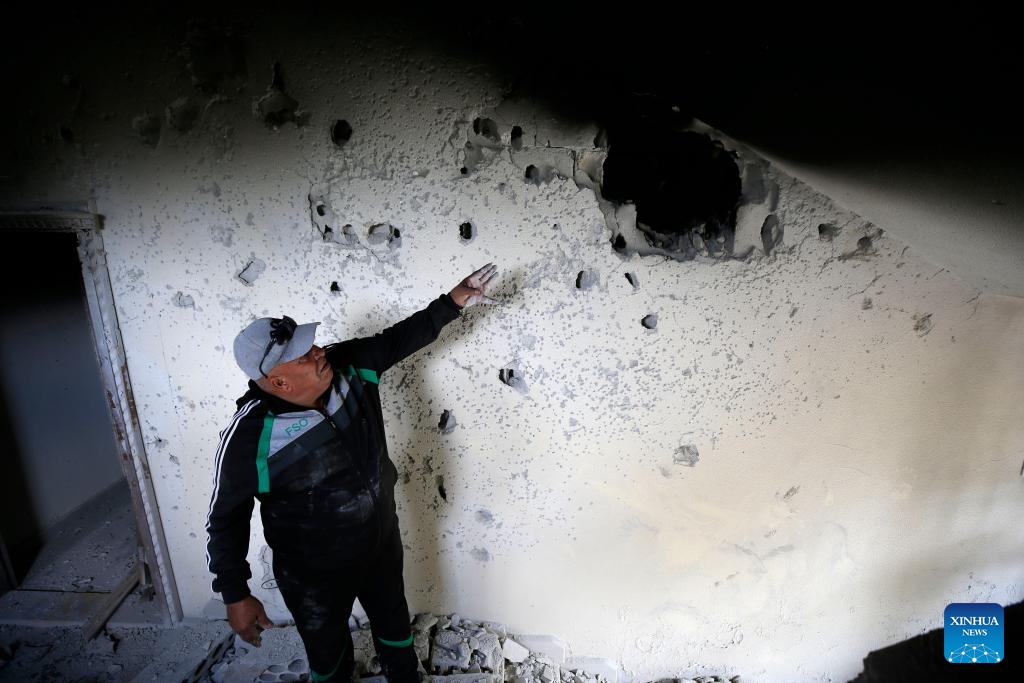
{"points": [[509, 376], [586, 279], [341, 132], [384, 233], [532, 174], [633, 279], [516, 138], [686, 455], [650, 321], [487, 128], [440, 488], [348, 235], [464, 170], [619, 243], [865, 247], [335, 287], [827, 232], [320, 211], [771, 233], [467, 231], [447, 422], [682, 183]]}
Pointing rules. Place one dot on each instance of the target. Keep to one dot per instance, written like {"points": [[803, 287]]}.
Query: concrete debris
{"points": [[513, 651], [450, 648], [463, 678], [464, 646], [552, 647]]}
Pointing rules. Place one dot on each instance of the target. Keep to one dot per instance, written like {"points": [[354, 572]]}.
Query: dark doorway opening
{"points": [[67, 524]]}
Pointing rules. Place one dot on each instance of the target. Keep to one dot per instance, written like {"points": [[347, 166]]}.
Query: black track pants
{"points": [[320, 598]]}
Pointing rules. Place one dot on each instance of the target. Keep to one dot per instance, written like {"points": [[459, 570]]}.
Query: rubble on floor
{"points": [[450, 648]]}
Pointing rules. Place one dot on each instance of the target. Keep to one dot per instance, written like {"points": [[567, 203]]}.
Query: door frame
{"points": [[82, 219]]}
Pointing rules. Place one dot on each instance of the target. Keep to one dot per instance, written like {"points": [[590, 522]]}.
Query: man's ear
{"points": [[280, 383]]}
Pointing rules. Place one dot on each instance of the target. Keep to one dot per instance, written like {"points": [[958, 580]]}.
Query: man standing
{"points": [[308, 441]]}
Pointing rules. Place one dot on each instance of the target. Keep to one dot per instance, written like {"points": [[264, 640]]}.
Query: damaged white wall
{"points": [[808, 456]]}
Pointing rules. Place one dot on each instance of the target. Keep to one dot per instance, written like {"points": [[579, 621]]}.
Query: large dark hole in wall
{"points": [[685, 186]]}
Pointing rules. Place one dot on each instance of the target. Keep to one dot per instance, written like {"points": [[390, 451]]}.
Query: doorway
{"points": [[73, 525]]}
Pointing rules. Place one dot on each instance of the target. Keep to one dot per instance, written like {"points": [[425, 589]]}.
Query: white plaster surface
{"points": [[858, 461]]}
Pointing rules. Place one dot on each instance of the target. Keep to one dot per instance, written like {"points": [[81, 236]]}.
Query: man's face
{"points": [[308, 376]]}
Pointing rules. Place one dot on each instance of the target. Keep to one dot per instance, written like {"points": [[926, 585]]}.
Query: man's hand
{"points": [[473, 290], [248, 619]]}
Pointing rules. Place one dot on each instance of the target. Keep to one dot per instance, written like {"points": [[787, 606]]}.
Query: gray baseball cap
{"points": [[268, 342]]}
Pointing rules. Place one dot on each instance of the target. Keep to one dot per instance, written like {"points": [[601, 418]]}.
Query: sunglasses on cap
{"points": [[281, 332]]}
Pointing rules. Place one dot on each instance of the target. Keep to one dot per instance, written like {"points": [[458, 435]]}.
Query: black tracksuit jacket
{"points": [[324, 479]]}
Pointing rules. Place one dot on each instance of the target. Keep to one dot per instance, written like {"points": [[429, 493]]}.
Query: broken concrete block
{"points": [[513, 651], [552, 646], [450, 651], [609, 669], [464, 678]]}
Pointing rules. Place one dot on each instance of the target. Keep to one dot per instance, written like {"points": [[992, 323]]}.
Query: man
{"points": [[308, 441]]}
